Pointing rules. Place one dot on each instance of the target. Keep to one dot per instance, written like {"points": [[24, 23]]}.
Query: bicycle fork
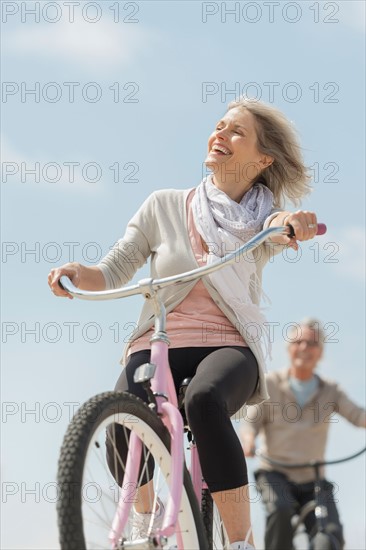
{"points": [[172, 416], [172, 419], [321, 511]]}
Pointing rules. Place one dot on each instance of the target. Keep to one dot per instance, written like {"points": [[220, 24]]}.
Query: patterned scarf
{"points": [[225, 225]]}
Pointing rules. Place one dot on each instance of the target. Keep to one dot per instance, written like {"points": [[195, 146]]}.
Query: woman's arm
{"points": [[87, 278]]}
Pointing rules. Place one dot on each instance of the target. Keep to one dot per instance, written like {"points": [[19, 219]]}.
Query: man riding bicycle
{"points": [[294, 424]]}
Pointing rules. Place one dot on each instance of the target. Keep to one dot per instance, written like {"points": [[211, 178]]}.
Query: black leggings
{"points": [[223, 380]]}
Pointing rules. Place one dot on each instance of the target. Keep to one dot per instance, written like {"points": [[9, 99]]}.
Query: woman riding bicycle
{"points": [[215, 326]]}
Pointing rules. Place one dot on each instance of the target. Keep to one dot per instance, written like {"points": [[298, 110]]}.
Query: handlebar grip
{"points": [[321, 230]]}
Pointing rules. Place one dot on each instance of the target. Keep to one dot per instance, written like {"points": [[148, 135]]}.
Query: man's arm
{"points": [[250, 428], [349, 410]]}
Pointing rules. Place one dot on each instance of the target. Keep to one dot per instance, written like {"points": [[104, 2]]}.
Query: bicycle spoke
{"points": [[116, 453]]}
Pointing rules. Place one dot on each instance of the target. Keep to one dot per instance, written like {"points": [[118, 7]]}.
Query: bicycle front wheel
{"points": [[89, 494]]}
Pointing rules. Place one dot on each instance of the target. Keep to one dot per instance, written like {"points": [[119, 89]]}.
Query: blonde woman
{"points": [[255, 163]]}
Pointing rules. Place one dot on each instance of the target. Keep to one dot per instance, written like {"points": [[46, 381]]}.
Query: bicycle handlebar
{"points": [[311, 464], [148, 284]]}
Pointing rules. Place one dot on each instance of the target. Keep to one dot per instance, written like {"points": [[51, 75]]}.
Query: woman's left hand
{"points": [[303, 222]]}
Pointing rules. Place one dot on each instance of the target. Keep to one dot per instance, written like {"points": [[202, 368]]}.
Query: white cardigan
{"points": [[159, 229]]}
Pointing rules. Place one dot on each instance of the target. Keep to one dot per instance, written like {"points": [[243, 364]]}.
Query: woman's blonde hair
{"points": [[287, 176]]}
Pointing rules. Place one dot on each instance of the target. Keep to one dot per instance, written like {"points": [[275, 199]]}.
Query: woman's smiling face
{"points": [[233, 155]]}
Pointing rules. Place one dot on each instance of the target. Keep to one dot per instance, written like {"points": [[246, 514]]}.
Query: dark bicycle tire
{"points": [[215, 532], [78, 440], [207, 514]]}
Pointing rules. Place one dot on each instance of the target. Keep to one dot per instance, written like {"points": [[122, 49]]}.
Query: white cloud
{"points": [[8, 153], [103, 45], [351, 242], [353, 14], [16, 165]]}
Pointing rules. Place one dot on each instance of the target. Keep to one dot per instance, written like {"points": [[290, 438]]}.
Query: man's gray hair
{"points": [[308, 322]]}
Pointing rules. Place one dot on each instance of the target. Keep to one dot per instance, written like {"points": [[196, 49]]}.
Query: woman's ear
{"points": [[266, 161]]}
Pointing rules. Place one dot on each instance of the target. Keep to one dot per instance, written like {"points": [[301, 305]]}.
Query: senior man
{"points": [[294, 425]]}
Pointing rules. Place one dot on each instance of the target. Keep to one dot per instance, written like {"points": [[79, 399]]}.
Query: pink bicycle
{"points": [[94, 511]]}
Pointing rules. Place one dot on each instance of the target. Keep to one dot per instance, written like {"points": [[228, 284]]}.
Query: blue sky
{"points": [[140, 90]]}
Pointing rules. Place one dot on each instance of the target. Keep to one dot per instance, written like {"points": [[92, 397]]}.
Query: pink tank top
{"points": [[197, 321]]}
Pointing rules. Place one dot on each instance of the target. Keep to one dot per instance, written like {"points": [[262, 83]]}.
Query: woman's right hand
{"points": [[72, 270]]}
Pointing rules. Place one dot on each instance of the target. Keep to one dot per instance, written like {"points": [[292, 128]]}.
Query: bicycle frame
{"points": [[162, 385]]}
